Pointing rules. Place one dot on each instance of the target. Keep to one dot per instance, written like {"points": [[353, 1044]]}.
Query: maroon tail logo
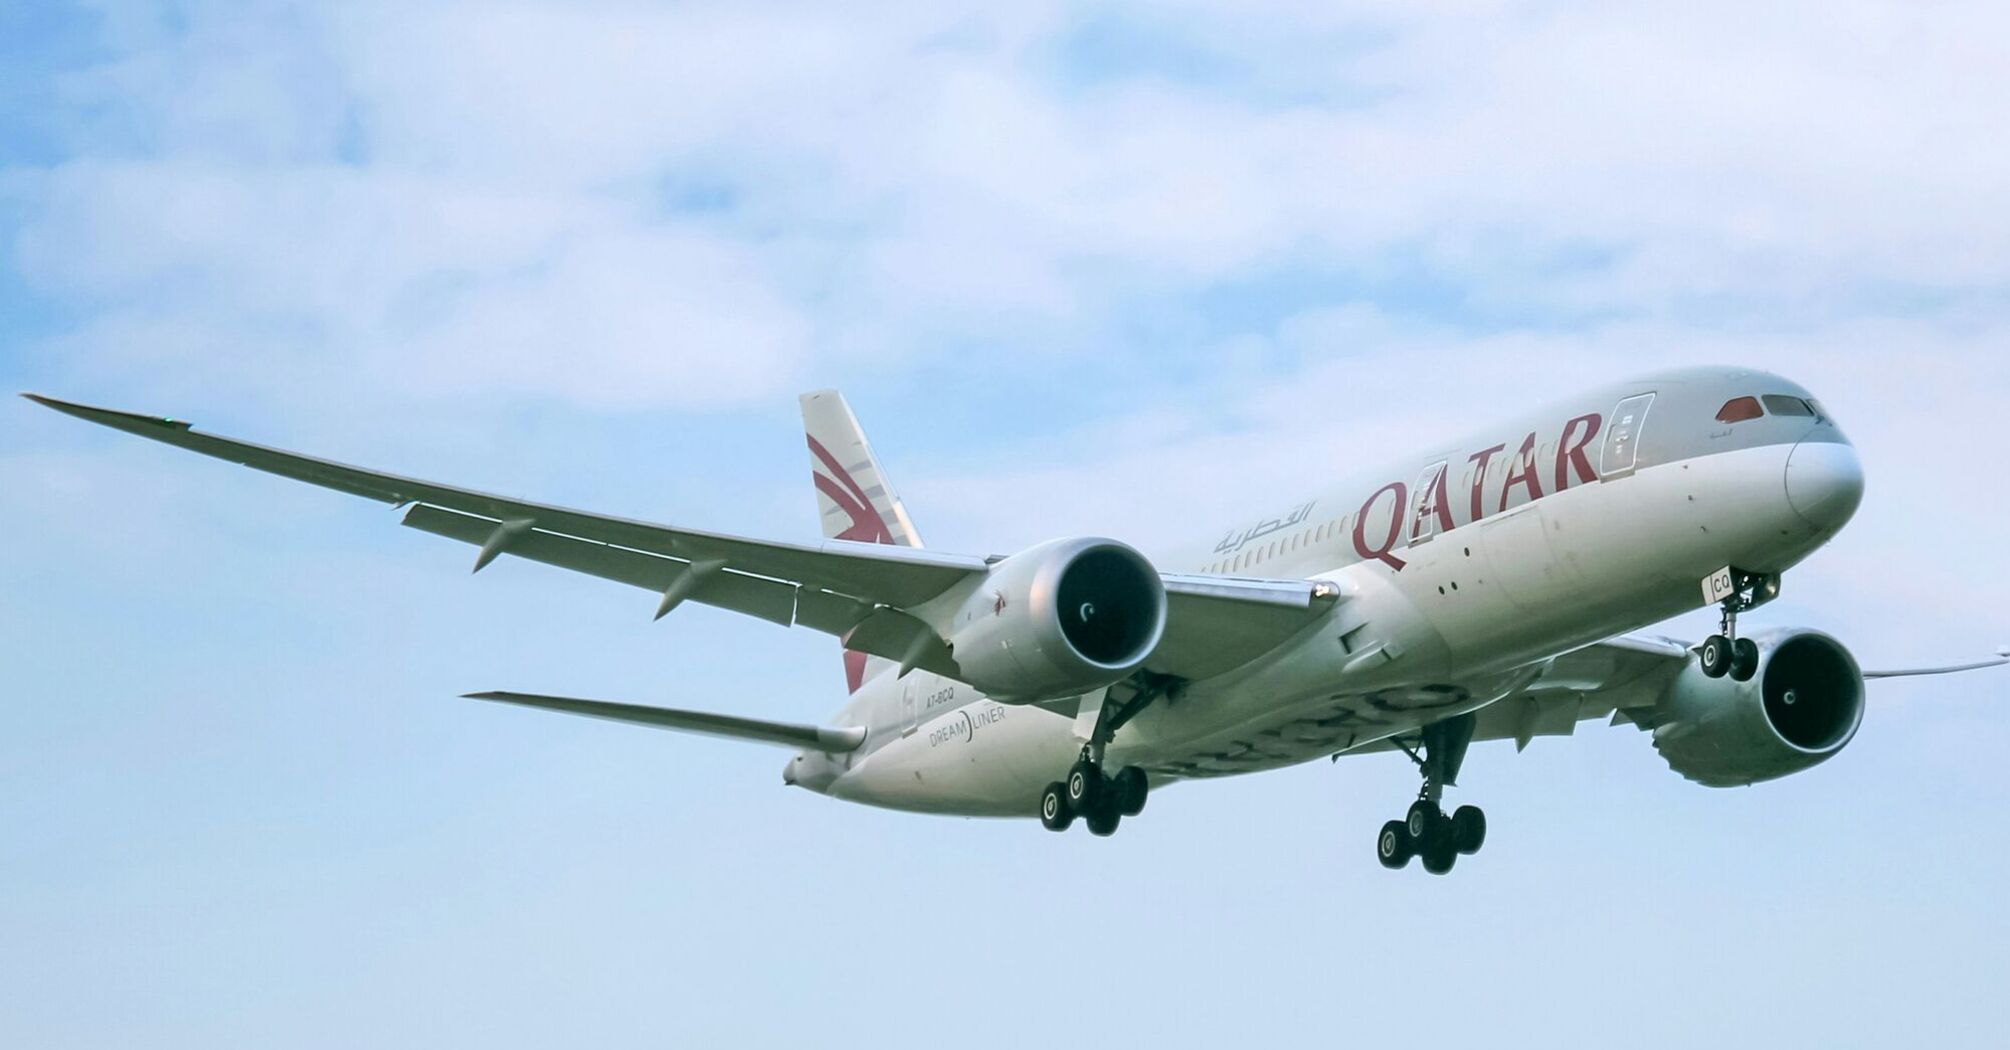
{"points": [[866, 527]]}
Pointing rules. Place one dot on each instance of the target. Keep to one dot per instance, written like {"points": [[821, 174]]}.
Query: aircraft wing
{"points": [[844, 588], [820, 738], [1607, 680]]}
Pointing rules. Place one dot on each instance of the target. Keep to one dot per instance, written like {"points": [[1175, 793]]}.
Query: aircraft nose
{"points": [[1825, 483]]}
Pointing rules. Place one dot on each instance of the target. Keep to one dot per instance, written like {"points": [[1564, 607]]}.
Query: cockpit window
{"points": [[1782, 405], [1740, 410]]}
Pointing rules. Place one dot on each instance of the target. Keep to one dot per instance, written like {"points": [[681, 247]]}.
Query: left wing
{"points": [[860, 592], [1606, 680]]}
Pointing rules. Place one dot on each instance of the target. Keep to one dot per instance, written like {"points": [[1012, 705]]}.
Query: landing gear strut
{"points": [[1102, 800], [1735, 591], [1425, 831]]}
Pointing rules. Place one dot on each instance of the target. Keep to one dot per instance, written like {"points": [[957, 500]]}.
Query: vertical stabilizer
{"points": [[854, 497]]}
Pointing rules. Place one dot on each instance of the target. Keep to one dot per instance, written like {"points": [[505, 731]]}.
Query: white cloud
{"points": [[388, 180]]}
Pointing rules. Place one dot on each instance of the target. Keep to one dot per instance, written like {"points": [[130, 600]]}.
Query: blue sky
{"points": [[1081, 268]]}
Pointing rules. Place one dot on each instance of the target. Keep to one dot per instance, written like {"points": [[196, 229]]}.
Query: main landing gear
{"points": [[1425, 831], [1736, 591], [1103, 801]]}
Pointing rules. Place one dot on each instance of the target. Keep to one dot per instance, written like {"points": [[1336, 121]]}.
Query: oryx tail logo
{"points": [[840, 488]]}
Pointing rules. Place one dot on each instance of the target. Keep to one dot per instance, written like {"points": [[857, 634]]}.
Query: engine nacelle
{"points": [[1802, 707], [1060, 619]]}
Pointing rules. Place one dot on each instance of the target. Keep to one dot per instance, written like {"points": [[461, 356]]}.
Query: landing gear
{"points": [[1055, 812], [1736, 591], [1101, 801], [1425, 831]]}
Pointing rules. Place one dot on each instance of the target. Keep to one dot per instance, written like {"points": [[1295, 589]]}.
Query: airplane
{"points": [[1485, 589]]}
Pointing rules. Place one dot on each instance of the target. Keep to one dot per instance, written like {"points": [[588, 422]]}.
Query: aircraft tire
{"points": [[1085, 787], [1469, 829], [1103, 821], [1055, 813], [1744, 659], [1716, 656], [1439, 858], [1131, 789], [1393, 846], [1422, 821]]}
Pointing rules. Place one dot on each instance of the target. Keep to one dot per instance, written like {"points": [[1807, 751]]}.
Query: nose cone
{"points": [[1825, 483]]}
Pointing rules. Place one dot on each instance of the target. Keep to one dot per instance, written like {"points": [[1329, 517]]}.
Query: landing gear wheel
{"points": [[1422, 821], [1469, 830], [1394, 846], [1717, 656], [1085, 787], [1744, 659], [1103, 821], [1130, 788], [1439, 858], [1055, 813]]}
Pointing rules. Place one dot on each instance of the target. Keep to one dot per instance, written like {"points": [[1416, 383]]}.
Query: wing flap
{"points": [[787, 734]]}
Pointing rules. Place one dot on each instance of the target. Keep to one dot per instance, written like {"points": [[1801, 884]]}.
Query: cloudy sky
{"points": [[1113, 268]]}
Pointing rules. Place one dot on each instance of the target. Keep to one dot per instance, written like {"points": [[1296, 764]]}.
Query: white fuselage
{"points": [[1462, 573]]}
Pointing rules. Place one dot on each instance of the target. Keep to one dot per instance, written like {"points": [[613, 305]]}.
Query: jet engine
{"points": [[1060, 619], [1802, 707]]}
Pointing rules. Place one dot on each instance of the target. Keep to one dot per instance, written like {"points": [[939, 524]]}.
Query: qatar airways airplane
{"points": [[1484, 589]]}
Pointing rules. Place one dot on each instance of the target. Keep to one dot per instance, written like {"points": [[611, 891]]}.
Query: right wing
{"points": [[861, 592], [818, 738]]}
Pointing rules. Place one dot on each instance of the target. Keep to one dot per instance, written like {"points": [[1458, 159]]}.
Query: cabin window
{"points": [[1740, 410], [1782, 405]]}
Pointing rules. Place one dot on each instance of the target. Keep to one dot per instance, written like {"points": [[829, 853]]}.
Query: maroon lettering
{"points": [[1435, 500], [1480, 460], [1569, 453], [1523, 473], [1383, 555]]}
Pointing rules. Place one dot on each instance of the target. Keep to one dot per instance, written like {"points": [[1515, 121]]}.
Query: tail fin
{"points": [[854, 497], [856, 500]]}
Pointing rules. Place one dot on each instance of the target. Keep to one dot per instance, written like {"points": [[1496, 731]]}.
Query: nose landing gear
{"points": [[1425, 831], [1736, 591]]}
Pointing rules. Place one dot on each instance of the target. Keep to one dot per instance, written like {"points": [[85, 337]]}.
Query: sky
{"points": [[1117, 269]]}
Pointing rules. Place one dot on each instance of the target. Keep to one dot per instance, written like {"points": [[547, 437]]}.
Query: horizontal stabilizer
{"points": [[819, 738]]}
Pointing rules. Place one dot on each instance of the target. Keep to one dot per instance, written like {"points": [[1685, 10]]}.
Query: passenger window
{"points": [[1740, 410], [1782, 405]]}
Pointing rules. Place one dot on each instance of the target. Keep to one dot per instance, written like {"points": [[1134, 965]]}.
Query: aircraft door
{"points": [[1622, 438], [1431, 511]]}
